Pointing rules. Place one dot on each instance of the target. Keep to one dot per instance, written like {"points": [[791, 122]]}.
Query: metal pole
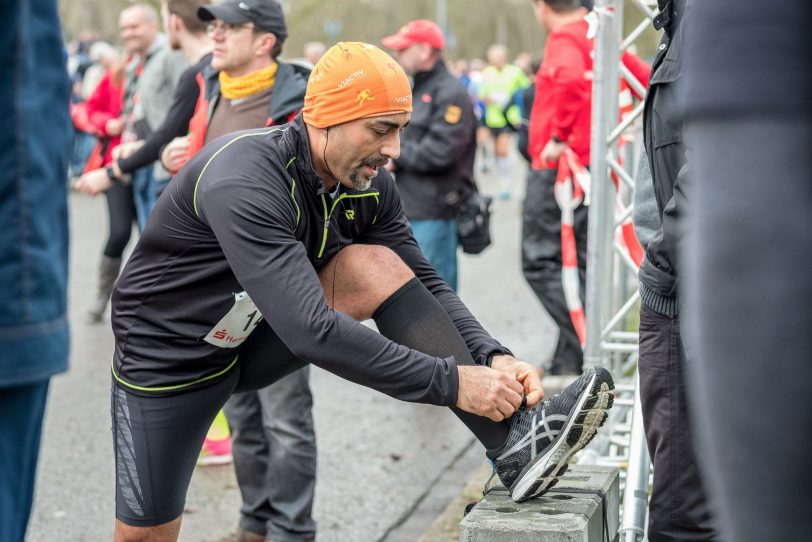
{"points": [[599, 235], [635, 496], [442, 16]]}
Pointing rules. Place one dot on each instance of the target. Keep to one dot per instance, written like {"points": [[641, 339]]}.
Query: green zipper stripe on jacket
{"points": [[377, 204], [213, 156], [175, 387], [292, 190], [328, 216]]}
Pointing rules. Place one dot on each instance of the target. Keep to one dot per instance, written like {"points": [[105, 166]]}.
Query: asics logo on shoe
{"points": [[549, 433]]}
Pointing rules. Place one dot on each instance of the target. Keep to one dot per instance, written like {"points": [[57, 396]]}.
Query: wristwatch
{"points": [[111, 173], [556, 139]]}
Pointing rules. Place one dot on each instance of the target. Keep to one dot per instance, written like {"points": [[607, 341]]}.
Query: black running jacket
{"points": [[239, 236]]}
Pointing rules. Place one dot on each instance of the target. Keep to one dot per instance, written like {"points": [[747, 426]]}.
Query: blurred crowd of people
{"points": [[499, 89]]}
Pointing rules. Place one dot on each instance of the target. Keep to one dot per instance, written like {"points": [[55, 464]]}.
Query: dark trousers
{"points": [[121, 215], [678, 509], [541, 263], [749, 286], [274, 447], [21, 412]]}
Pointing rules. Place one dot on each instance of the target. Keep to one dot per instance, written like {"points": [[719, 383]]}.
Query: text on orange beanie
{"points": [[352, 81]]}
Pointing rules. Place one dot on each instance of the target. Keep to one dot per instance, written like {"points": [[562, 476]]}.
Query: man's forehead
{"points": [[394, 120], [132, 16]]}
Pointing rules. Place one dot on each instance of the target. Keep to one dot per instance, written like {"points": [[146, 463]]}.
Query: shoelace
{"points": [[487, 488]]}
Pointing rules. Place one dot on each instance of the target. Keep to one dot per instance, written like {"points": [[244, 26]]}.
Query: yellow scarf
{"points": [[234, 88]]}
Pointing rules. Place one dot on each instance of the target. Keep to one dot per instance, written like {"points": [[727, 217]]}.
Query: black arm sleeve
{"points": [[175, 124]]}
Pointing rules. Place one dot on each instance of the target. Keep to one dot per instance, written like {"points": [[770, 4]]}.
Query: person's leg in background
{"points": [[541, 264], [749, 288], [23, 408], [504, 163], [217, 445], [677, 511], [143, 189], [484, 147], [274, 448], [120, 213], [438, 241]]}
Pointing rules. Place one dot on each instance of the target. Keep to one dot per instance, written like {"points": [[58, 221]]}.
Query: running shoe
{"points": [[215, 452], [543, 439]]}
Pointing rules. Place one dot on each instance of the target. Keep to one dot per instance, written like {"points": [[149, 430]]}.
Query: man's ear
{"points": [[176, 23], [267, 43]]}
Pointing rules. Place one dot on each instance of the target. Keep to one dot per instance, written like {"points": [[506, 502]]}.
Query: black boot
{"points": [[108, 273]]}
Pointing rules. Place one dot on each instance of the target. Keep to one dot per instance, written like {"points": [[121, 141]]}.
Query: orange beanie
{"points": [[352, 81]]}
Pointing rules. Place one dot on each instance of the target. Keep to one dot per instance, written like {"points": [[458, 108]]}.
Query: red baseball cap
{"points": [[419, 31]]}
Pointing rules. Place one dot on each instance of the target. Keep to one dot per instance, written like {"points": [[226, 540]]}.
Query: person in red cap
{"points": [[268, 249], [435, 169]]}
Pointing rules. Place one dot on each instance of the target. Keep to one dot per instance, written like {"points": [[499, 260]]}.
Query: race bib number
{"points": [[233, 328]]}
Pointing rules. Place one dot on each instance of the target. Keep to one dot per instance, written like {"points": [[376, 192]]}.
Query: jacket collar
{"points": [[299, 143], [671, 12], [420, 77]]}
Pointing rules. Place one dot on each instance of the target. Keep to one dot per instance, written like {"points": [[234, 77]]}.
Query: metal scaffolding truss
{"points": [[611, 289]]}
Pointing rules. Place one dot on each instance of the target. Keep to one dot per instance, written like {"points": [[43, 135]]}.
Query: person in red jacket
{"points": [[103, 109], [560, 119]]}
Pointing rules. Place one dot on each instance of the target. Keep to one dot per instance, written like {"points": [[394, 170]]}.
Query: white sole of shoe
{"points": [[212, 460]]}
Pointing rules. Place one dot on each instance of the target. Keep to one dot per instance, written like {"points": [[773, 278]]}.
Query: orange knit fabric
{"points": [[353, 81]]}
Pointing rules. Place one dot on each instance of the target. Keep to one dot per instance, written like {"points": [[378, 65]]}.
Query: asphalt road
{"points": [[379, 459]]}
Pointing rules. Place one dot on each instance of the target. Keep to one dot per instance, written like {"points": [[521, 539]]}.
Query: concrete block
{"points": [[571, 511]]}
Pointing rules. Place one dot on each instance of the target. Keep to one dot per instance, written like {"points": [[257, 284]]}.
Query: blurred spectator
{"points": [[313, 51], [138, 24], [500, 81], [560, 122], [678, 507], [33, 243], [435, 169], [151, 78], [103, 56], [483, 134], [524, 99], [187, 33], [525, 62]]}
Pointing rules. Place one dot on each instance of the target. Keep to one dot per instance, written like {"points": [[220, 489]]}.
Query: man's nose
{"points": [[391, 147]]}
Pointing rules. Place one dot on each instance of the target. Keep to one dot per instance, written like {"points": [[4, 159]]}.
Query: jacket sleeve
{"points": [[175, 124], [392, 230], [569, 90], [98, 110], [253, 219], [661, 262], [446, 139], [639, 68]]}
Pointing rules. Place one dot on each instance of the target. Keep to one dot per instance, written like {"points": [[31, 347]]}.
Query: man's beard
{"points": [[363, 183]]}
